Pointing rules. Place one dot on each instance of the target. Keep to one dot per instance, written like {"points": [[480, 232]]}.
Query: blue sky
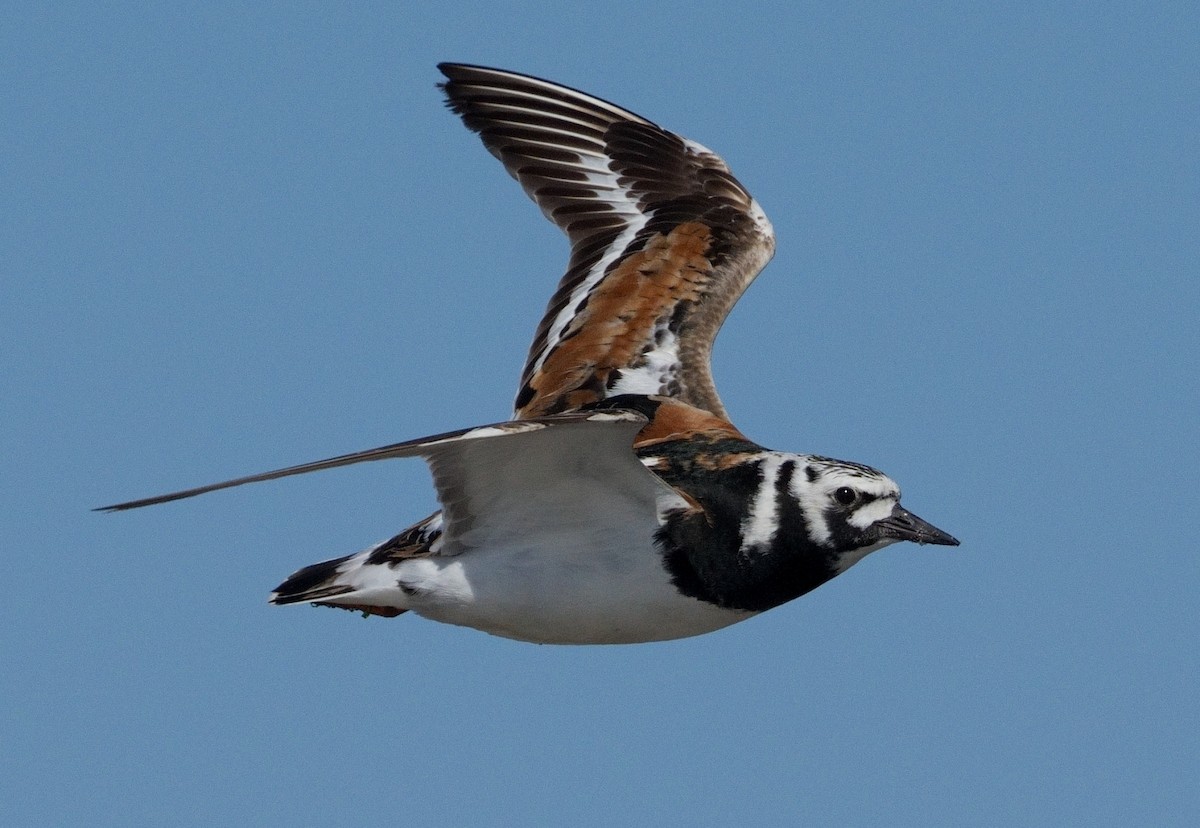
{"points": [[248, 235]]}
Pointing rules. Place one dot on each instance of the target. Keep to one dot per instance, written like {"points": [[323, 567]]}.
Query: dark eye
{"points": [[845, 496]]}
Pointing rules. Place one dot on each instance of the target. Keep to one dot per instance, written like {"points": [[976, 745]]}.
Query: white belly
{"points": [[573, 593]]}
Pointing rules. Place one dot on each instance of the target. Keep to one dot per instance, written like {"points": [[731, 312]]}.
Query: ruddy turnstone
{"points": [[619, 505]]}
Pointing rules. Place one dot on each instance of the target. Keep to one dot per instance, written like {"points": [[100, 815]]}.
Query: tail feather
{"points": [[366, 581], [322, 583], [311, 583]]}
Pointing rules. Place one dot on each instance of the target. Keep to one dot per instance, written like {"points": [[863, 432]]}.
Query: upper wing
{"points": [[663, 240]]}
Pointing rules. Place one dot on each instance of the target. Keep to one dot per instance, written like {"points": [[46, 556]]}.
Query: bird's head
{"points": [[853, 510]]}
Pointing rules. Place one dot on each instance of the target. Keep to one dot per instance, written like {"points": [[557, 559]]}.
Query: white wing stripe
{"points": [[636, 221]]}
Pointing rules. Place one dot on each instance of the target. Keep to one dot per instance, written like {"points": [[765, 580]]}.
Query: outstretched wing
{"points": [[663, 240], [609, 431]]}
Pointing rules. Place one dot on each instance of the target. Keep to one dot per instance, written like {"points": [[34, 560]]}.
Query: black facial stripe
{"points": [[783, 485], [701, 550]]}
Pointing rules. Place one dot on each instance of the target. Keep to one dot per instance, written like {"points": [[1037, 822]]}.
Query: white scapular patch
{"points": [[659, 370]]}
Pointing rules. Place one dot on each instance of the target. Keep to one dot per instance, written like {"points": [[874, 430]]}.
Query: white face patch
{"points": [[816, 496], [868, 513]]}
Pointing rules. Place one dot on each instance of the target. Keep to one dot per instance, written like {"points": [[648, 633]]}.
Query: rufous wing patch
{"points": [[676, 420], [615, 328]]}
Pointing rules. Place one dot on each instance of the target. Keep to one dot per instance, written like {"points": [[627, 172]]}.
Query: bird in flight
{"points": [[619, 505]]}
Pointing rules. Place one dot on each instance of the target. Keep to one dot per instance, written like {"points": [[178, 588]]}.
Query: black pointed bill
{"points": [[904, 525]]}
